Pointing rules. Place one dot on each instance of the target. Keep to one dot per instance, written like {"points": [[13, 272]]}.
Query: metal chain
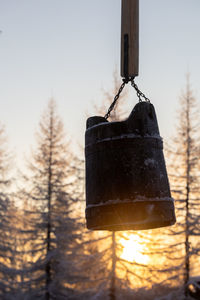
{"points": [[139, 93], [107, 115], [134, 85]]}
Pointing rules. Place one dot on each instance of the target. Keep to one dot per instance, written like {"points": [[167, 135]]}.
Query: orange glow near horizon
{"points": [[133, 249]]}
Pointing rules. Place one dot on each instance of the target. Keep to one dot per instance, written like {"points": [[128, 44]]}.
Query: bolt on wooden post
{"points": [[130, 38]]}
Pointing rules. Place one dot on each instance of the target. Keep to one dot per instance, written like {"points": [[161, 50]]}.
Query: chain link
{"points": [[107, 115], [134, 85], [139, 93]]}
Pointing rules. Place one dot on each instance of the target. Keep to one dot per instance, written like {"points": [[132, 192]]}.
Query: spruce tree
{"points": [[185, 178], [180, 243], [53, 227], [7, 223]]}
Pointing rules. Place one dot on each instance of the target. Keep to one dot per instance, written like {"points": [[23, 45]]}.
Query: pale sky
{"points": [[68, 49]]}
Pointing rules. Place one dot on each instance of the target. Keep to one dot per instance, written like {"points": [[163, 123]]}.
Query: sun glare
{"points": [[133, 249]]}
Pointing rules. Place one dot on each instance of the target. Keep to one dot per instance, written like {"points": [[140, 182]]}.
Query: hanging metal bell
{"points": [[126, 179]]}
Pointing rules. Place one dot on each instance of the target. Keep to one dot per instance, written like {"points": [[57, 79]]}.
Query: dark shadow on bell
{"points": [[126, 179]]}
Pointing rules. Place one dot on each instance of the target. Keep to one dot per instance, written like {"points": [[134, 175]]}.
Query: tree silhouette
{"points": [[53, 226], [7, 216], [183, 153]]}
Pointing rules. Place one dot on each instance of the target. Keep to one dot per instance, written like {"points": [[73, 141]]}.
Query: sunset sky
{"points": [[68, 49]]}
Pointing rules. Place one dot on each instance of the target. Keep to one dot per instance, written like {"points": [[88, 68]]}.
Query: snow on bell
{"points": [[126, 179]]}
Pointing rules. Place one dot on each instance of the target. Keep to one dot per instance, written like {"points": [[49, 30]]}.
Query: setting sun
{"points": [[133, 249]]}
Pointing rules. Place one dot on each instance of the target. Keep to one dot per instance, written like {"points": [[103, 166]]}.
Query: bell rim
{"points": [[133, 200], [131, 226], [140, 215]]}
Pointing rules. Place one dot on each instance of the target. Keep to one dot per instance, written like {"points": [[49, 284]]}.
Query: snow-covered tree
{"points": [[183, 153], [53, 230], [7, 223]]}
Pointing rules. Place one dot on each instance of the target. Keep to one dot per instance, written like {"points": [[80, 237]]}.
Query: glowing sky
{"points": [[68, 49]]}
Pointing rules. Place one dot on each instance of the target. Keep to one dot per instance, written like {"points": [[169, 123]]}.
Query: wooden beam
{"points": [[130, 38]]}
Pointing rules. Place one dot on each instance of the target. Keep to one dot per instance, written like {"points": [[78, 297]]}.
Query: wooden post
{"points": [[130, 38]]}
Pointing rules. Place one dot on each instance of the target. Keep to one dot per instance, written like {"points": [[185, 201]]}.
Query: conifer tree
{"points": [[7, 219], [184, 172], [53, 226], [180, 243]]}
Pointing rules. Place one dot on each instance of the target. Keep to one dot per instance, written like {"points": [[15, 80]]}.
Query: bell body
{"points": [[126, 179]]}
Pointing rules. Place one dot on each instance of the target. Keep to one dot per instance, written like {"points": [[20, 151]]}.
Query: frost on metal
{"points": [[138, 199]]}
